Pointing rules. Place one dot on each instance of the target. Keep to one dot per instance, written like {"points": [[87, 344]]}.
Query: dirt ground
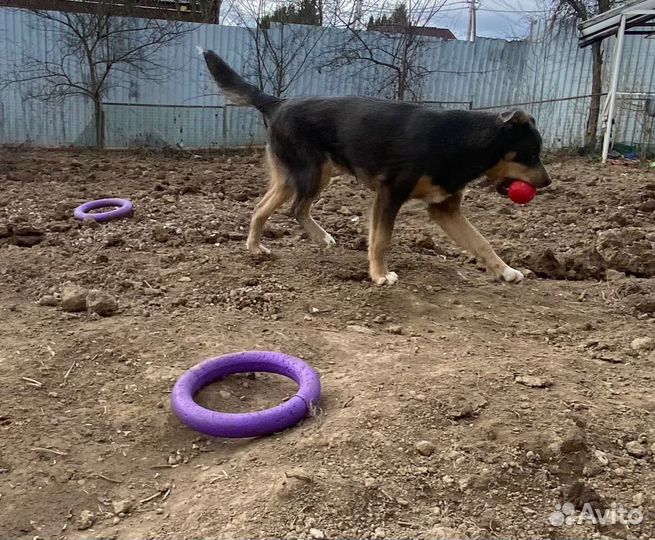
{"points": [[452, 406]]}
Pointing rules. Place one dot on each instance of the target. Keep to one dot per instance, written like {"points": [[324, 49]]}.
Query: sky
{"points": [[508, 19]]}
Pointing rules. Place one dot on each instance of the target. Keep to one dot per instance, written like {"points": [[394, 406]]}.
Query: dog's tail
{"points": [[236, 89]]}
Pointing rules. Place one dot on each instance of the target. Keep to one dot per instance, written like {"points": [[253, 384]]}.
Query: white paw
{"points": [[390, 279], [258, 250], [329, 241], [512, 276]]}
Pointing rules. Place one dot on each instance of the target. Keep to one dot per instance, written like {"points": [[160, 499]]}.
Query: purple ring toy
{"points": [[125, 208], [254, 424]]}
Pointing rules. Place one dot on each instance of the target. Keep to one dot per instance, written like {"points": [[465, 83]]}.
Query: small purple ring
{"points": [[125, 208], [254, 424]]}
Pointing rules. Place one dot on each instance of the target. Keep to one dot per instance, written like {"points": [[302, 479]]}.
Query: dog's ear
{"points": [[516, 117]]}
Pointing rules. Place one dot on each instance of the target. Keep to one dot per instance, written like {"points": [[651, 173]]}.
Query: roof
{"points": [[430, 31], [640, 20], [182, 10], [433, 31]]}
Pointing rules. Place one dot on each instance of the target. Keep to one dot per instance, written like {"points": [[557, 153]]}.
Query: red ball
{"points": [[521, 192]]}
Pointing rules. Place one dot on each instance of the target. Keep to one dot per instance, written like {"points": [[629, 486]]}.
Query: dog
{"points": [[400, 150]]}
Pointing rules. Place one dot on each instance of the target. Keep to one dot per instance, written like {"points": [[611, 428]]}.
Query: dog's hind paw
{"points": [[510, 275], [390, 279]]}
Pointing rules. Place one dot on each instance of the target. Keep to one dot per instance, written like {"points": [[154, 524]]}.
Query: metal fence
{"points": [[548, 74]]}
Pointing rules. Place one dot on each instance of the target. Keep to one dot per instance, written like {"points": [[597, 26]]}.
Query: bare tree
{"points": [[581, 10], [84, 48], [284, 40], [395, 44]]}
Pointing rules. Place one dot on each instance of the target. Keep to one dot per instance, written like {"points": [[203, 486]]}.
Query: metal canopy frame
{"points": [[633, 18]]}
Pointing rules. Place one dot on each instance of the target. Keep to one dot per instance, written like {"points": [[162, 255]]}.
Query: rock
{"points": [[573, 442], [581, 493], [27, 230], [317, 534], [585, 264], [612, 275], [161, 234], [593, 468], [395, 329], [26, 241], [601, 457], [533, 382], [86, 520], [122, 507], [101, 303], [148, 291], [425, 448], [235, 236], [636, 449], [48, 300], [463, 405], [73, 299], [224, 394], [619, 237], [545, 264], [273, 232], [489, 521], [612, 359], [426, 242], [442, 533], [619, 218], [643, 304], [627, 250], [643, 344], [90, 223], [59, 227], [114, 240], [360, 244], [359, 329], [647, 206]]}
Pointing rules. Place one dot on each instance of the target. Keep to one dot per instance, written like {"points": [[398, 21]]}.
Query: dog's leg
{"points": [[278, 193], [449, 216], [303, 215], [383, 216]]}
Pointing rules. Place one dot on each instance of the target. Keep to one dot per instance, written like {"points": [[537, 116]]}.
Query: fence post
{"points": [[225, 126], [611, 98]]}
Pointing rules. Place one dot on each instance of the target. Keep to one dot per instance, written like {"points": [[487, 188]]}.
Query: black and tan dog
{"points": [[400, 150]]}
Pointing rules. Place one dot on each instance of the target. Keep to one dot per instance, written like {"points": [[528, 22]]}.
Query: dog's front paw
{"points": [[257, 250], [510, 275], [329, 241], [391, 278]]}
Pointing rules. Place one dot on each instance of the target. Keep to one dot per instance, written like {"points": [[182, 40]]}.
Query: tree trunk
{"points": [[596, 88], [279, 69], [99, 121], [404, 68]]}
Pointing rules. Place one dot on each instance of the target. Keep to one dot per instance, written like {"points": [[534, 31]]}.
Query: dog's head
{"points": [[520, 144]]}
